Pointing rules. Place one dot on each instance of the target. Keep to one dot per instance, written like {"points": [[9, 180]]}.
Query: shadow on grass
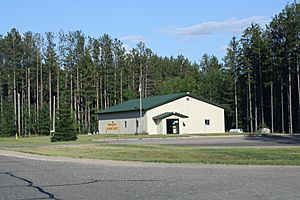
{"points": [[276, 139]]}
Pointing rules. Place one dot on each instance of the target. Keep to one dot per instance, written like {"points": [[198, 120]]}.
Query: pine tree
{"points": [[233, 73], [65, 129], [43, 121]]}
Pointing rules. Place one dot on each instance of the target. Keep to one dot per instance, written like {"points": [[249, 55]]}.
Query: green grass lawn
{"points": [[84, 147], [42, 140], [82, 139], [171, 154]]}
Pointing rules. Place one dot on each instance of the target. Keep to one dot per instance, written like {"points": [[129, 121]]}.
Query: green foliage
{"points": [[211, 76], [129, 94], [43, 122], [177, 85], [65, 129], [7, 126]]}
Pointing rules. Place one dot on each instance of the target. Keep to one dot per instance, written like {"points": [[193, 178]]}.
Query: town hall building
{"points": [[178, 113]]}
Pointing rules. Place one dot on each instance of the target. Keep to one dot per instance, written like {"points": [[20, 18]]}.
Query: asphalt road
{"points": [[218, 141], [67, 178]]}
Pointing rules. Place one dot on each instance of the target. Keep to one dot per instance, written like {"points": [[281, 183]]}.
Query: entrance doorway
{"points": [[172, 126]]}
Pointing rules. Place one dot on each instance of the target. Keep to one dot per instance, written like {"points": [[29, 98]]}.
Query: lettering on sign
{"points": [[112, 126]]}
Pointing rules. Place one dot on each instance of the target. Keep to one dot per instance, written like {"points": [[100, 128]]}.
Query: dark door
{"points": [[172, 126]]}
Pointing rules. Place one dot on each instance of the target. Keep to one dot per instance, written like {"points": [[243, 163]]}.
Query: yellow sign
{"points": [[112, 126]]}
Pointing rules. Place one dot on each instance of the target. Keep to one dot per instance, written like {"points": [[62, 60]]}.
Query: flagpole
{"points": [[141, 112]]}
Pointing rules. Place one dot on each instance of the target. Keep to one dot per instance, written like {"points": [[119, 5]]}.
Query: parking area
{"points": [[216, 141]]}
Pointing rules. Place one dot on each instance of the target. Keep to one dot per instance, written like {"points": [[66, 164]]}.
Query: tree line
{"points": [[42, 75]]}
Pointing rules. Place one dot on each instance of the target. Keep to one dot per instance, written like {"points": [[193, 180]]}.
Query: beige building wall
{"points": [[126, 123], [197, 112]]}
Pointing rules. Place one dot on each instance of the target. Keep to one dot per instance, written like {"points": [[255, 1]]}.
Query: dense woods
{"points": [[45, 75]]}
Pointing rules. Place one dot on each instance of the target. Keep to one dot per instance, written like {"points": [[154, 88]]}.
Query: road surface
{"points": [[41, 177]]}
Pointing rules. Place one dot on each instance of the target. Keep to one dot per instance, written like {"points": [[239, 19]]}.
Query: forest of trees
{"points": [[258, 81]]}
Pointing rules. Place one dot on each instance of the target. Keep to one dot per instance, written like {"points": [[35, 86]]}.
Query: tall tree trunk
{"points": [[105, 92], [261, 96], [14, 85], [89, 117], [250, 103], [97, 91], [95, 76], [298, 84], [19, 115], [86, 115], [15, 101], [290, 102], [25, 98], [247, 109], [77, 97], [272, 109], [101, 92], [133, 79], [282, 106], [28, 100], [236, 104], [50, 100], [53, 120], [74, 101], [37, 89], [57, 90], [23, 126], [81, 101], [255, 107], [41, 85], [71, 93], [121, 85], [146, 79], [115, 84], [107, 88]]}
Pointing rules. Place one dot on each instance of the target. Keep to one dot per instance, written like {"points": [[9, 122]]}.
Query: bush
{"points": [[59, 136]]}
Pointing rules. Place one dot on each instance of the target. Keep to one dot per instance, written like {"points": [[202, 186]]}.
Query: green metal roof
{"points": [[149, 103], [168, 114]]}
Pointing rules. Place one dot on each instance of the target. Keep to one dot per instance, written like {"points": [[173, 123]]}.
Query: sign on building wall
{"points": [[112, 126]]}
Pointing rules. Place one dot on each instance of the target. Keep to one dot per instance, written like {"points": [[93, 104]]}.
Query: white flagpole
{"points": [[140, 91], [141, 112]]}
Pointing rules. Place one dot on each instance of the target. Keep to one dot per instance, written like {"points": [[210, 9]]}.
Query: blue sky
{"points": [[190, 27]]}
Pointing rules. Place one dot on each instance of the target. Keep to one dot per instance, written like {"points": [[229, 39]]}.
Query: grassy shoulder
{"points": [[171, 154], [42, 140], [82, 139], [86, 147]]}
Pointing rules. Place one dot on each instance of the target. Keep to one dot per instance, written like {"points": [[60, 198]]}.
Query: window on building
{"points": [[125, 123], [206, 122], [187, 99]]}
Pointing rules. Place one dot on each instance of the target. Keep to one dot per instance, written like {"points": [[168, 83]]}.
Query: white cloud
{"points": [[213, 27], [133, 39]]}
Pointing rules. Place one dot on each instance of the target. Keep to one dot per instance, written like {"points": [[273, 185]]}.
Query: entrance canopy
{"points": [[168, 114]]}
